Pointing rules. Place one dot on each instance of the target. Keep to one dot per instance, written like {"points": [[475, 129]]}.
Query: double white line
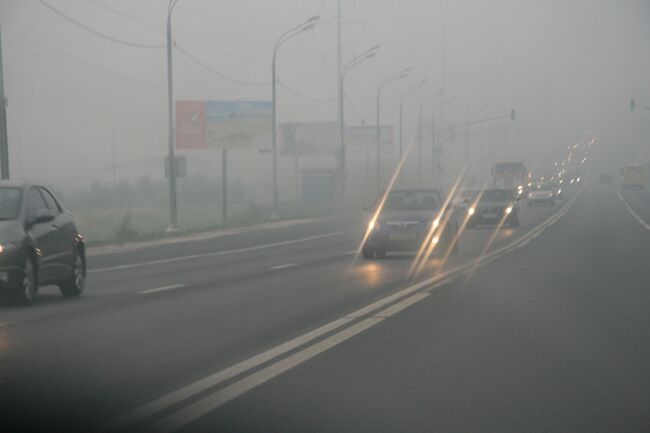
{"points": [[265, 369]]}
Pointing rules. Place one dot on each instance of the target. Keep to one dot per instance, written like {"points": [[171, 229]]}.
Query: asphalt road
{"points": [[540, 328]]}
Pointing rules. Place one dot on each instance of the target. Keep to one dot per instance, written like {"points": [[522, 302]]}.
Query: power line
{"points": [[217, 73], [306, 97], [95, 32], [71, 43], [63, 55]]}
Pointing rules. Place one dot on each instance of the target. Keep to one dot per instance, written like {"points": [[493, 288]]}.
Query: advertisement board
{"points": [[228, 125], [323, 138], [309, 138]]}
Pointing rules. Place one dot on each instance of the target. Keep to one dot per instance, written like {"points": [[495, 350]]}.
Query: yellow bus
{"points": [[634, 176]]}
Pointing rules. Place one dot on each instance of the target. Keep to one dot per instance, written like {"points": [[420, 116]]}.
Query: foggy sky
{"points": [[566, 66]]}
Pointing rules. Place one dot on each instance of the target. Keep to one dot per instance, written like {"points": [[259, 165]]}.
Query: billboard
{"points": [[223, 124], [323, 138], [309, 138]]}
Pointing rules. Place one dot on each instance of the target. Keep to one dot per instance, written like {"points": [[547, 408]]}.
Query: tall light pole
{"points": [[420, 121], [171, 166], [300, 28], [4, 143], [408, 91], [341, 163], [398, 76]]}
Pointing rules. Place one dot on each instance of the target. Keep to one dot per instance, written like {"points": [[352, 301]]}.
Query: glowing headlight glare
{"points": [[471, 210], [509, 210], [436, 223], [2, 248], [372, 224], [435, 240]]}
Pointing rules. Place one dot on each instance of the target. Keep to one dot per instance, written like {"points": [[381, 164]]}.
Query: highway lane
{"points": [[551, 338], [119, 347]]}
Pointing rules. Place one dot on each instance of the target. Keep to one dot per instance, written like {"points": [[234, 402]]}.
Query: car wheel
{"points": [[367, 253], [26, 290], [77, 281]]}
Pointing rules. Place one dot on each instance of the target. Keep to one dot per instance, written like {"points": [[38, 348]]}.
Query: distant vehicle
{"points": [[39, 243], [544, 195], [405, 221], [494, 207], [553, 186], [634, 176], [511, 175]]}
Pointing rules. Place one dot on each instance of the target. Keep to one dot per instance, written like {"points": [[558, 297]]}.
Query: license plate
{"points": [[490, 215], [402, 236]]}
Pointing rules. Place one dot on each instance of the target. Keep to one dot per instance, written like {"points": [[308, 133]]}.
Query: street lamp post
{"points": [[398, 76], [408, 91], [341, 163], [171, 165], [303, 27], [424, 101]]}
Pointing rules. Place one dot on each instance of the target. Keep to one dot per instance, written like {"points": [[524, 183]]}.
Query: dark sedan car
{"points": [[405, 222], [495, 206], [39, 243]]}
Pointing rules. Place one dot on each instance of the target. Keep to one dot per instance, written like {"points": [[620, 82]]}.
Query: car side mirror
{"points": [[42, 216]]}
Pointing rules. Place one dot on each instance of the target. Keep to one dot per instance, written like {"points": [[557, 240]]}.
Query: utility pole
{"points": [[113, 158], [4, 144], [171, 169], [441, 144], [339, 55]]}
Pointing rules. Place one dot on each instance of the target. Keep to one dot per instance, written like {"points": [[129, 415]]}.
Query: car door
{"points": [[42, 234], [61, 239]]}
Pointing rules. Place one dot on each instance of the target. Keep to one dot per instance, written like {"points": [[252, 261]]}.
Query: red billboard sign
{"points": [[190, 125]]}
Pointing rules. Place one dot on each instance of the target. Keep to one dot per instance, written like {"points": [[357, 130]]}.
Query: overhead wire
{"points": [[96, 32], [217, 73], [66, 56]]}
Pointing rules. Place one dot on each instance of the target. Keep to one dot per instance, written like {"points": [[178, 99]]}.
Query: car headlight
{"points": [[435, 240], [372, 225], [471, 211], [509, 210], [436, 223]]}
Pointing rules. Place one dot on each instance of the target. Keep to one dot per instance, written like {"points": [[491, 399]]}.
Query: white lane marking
{"points": [[278, 267], [631, 211], [211, 402], [217, 253], [351, 252], [176, 397], [161, 289]]}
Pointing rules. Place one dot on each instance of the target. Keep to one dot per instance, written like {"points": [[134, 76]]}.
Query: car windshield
{"points": [[9, 202], [496, 196], [412, 200]]}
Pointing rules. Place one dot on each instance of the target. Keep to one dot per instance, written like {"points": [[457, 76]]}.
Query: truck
{"points": [[511, 175], [634, 176]]}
